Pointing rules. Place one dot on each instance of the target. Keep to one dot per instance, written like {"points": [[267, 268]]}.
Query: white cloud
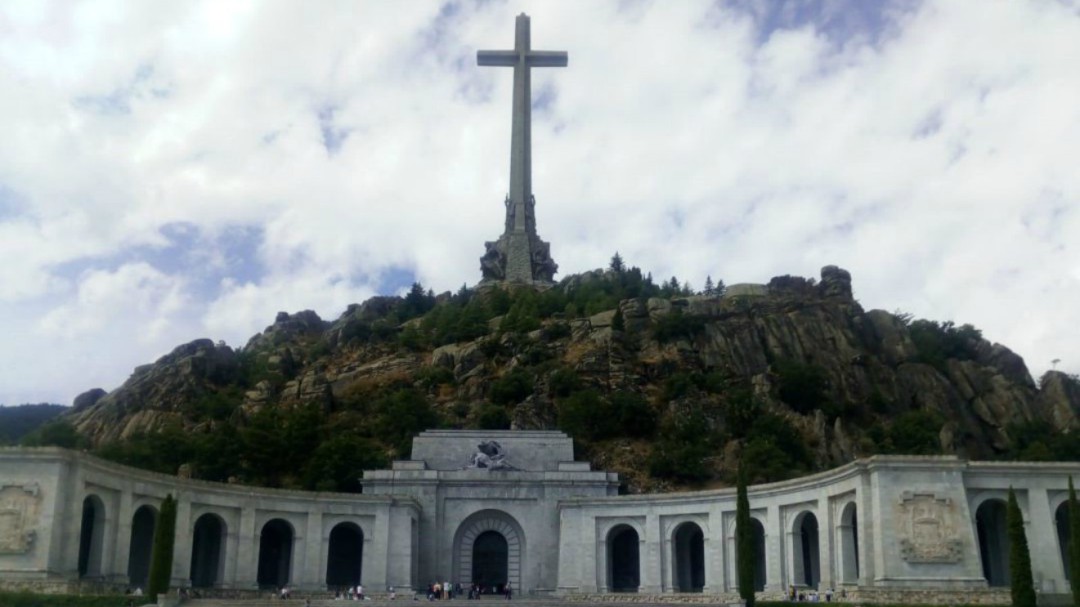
{"points": [[934, 159]]}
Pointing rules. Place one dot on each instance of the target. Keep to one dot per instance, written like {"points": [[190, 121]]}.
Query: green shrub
{"points": [[774, 450], [801, 385], [916, 433], [584, 415], [1038, 441], [338, 463], [513, 387], [433, 376], [492, 417], [682, 449], [523, 316], [937, 342], [632, 415], [564, 382], [401, 415], [56, 433], [677, 325], [678, 385], [556, 330]]}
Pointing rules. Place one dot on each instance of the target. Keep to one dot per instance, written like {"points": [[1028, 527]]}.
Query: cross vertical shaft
{"points": [[519, 243]]}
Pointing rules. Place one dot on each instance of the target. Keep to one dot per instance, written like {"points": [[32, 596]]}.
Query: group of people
{"points": [[354, 593], [448, 590], [813, 596]]}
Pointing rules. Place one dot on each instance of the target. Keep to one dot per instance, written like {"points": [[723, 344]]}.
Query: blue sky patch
{"points": [[840, 21], [333, 136]]}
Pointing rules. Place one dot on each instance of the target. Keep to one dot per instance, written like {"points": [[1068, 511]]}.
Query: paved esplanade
{"points": [[519, 254]]}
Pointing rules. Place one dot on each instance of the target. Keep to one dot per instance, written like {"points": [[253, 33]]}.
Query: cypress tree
{"points": [[162, 554], [1074, 544], [1022, 586], [745, 557]]}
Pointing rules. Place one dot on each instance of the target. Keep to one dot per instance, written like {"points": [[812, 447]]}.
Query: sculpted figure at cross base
{"points": [[490, 455], [519, 255]]}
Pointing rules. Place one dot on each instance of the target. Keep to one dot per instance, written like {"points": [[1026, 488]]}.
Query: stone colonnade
{"points": [[886, 524], [103, 516], [882, 522]]}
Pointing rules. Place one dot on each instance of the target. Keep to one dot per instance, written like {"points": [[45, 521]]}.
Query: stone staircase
{"points": [[321, 600]]}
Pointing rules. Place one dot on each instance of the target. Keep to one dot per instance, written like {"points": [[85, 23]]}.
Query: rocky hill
{"points": [[668, 388]]}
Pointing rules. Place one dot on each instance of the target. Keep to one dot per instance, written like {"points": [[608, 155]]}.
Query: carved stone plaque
{"points": [[19, 505], [927, 529]]}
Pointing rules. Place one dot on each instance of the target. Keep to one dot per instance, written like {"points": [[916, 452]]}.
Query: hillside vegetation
{"points": [[18, 421], [665, 386]]}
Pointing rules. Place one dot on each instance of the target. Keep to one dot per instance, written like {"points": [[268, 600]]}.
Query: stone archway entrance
{"points": [[490, 560], [689, 557], [488, 550], [345, 556], [208, 551], [993, 536], [624, 559], [142, 542], [275, 554], [91, 537]]}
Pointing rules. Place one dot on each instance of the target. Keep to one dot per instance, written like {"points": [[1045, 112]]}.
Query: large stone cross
{"points": [[520, 256]]}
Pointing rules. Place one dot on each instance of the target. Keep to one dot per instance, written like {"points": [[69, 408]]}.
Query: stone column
{"points": [[247, 553], [377, 544], [232, 548], [666, 563], [601, 572], [1046, 565], [110, 522], [123, 537], [775, 551], [311, 550], [714, 563], [181, 565], [649, 556], [826, 545]]}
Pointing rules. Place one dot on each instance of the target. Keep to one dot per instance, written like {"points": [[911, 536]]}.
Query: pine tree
{"points": [[745, 549], [162, 554], [709, 287], [1022, 585], [1074, 544], [617, 266]]}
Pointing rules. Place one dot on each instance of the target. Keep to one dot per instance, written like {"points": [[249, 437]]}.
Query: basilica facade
{"points": [[498, 508]]}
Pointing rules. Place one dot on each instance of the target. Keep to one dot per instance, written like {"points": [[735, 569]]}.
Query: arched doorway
{"points": [[208, 551], [491, 560], [478, 550], [275, 553], [142, 544], [849, 544], [993, 537], [624, 563], [689, 548], [345, 556], [1061, 517], [91, 536], [804, 548], [757, 530]]}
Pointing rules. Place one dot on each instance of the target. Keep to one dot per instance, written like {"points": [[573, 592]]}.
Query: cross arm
{"points": [[504, 58], [546, 59]]}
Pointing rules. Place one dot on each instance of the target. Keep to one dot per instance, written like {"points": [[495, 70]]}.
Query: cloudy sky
{"points": [[176, 170]]}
